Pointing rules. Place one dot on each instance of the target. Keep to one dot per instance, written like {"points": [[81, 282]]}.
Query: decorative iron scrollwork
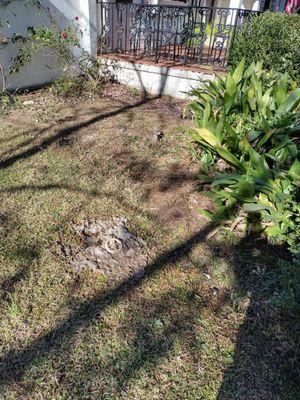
{"points": [[185, 33]]}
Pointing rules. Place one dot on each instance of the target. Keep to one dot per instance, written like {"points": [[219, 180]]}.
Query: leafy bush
{"points": [[204, 32], [272, 38], [62, 42], [251, 120]]}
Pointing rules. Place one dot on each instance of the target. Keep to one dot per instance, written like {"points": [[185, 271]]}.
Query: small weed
{"points": [[227, 354], [48, 114], [7, 102], [134, 92], [221, 273], [69, 86], [14, 310]]}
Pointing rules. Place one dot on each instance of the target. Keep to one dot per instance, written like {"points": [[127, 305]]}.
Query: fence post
{"points": [[157, 35]]}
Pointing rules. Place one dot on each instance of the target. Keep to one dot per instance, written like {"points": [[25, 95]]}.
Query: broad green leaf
{"points": [[231, 86], [292, 102], [219, 130], [212, 88], [206, 213], [254, 207], [246, 188], [258, 162], [230, 158], [273, 230], [222, 182], [257, 88], [204, 178], [265, 101], [212, 125], [197, 138], [206, 115], [251, 98], [281, 91], [208, 136], [264, 139], [295, 169], [196, 107], [231, 89], [238, 73]]}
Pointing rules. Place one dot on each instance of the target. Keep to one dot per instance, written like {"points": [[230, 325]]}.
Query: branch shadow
{"points": [[8, 286], [67, 132], [168, 326], [36, 133], [264, 365], [14, 365]]}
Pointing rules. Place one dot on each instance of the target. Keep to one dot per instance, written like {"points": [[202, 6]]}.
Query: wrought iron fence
{"points": [[188, 34]]}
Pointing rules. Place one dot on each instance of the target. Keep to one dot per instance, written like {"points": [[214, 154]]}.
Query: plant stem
{"points": [[3, 77]]}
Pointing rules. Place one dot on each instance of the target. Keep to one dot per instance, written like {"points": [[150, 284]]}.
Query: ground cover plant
{"points": [[200, 324], [250, 120]]}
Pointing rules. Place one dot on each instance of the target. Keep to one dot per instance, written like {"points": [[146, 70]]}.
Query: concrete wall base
{"points": [[156, 80]]}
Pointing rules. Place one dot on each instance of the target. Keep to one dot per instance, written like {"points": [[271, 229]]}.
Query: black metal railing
{"points": [[188, 34]]}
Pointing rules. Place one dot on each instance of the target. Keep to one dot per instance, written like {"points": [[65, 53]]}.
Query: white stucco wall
{"points": [[246, 4], [18, 15]]}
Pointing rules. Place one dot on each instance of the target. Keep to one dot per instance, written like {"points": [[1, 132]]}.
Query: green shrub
{"points": [[250, 119], [272, 38]]}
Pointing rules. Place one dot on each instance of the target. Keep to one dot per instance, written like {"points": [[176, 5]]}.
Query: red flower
{"points": [[64, 35]]}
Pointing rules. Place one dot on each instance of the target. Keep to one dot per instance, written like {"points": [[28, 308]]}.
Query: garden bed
{"points": [[195, 325]]}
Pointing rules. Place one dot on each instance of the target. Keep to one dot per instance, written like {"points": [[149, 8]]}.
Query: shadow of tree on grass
{"points": [[264, 364]]}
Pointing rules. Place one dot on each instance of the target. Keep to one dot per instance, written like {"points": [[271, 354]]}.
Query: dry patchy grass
{"points": [[196, 326]]}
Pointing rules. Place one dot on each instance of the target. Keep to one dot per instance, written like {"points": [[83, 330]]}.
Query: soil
{"points": [[130, 143]]}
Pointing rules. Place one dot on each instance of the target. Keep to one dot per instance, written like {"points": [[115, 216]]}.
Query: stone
{"points": [[28, 103]]}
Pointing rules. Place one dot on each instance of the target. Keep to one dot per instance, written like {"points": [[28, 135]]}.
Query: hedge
{"points": [[273, 38]]}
